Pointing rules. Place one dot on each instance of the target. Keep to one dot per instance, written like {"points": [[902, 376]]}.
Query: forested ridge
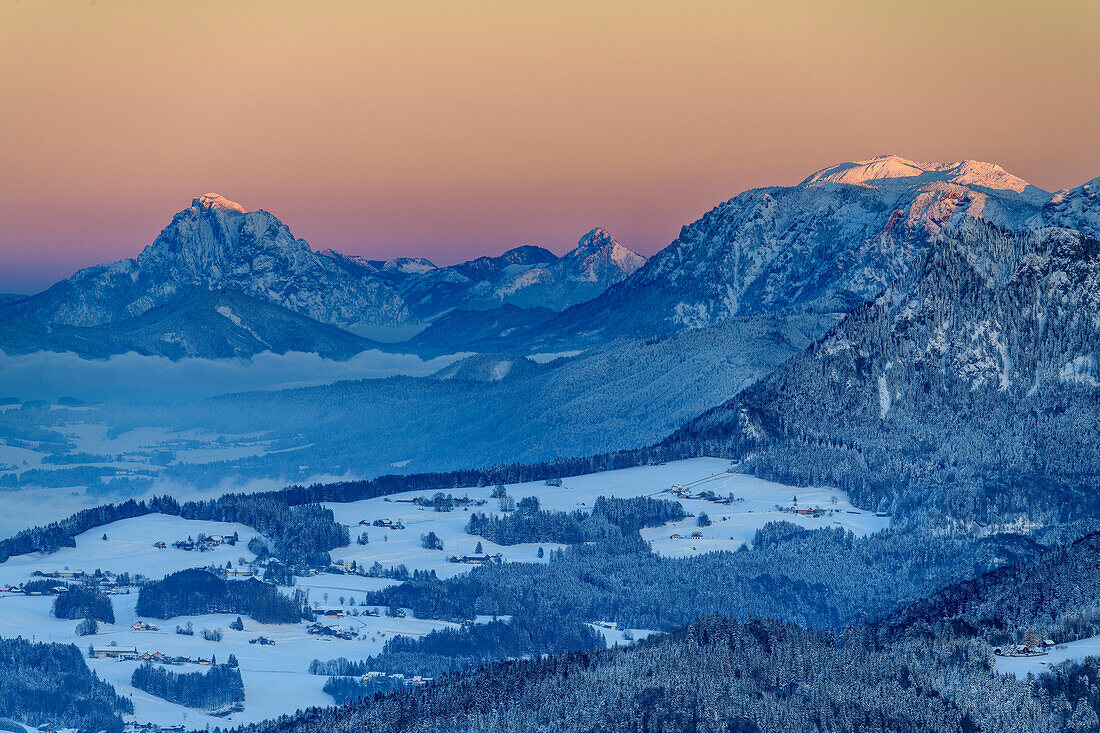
{"points": [[195, 591], [824, 578], [927, 668], [51, 684], [965, 392]]}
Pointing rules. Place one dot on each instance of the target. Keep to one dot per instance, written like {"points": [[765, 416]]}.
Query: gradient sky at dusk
{"points": [[453, 129]]}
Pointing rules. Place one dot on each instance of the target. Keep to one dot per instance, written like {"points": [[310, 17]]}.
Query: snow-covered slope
{"points": [[215, 244], [1078, 208]]}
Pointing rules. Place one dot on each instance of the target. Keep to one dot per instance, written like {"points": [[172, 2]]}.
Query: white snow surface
{"points": [[1020, 667], [129, 548], [731, 526], [276, 677], [887, 168]]}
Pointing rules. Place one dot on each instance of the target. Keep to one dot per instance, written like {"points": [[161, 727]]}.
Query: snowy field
{"points": [[732, 524], [129, 548], [1020, 667], [276, 677]]}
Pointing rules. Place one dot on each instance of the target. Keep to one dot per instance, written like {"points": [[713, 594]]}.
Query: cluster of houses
{"points": [[339, 612], [336, 632], [476, 559], [135, 727], [398, 677], [38, 590], [681, 492], [130, 653], [202, 544], [696, 535], [386, 523], [106, 581], [814, 512], [1038, 649], [142, 626]]}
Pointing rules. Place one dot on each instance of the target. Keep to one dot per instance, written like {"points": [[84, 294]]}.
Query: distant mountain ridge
{"points": [[826, 245], [215, 244], [526, 276], [211, 325]]}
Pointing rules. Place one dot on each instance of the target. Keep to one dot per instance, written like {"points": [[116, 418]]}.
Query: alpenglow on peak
{"points": [[216, 201], [884, 168]]}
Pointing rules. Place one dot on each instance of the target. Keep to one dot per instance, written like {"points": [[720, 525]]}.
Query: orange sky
{"points": [[451, 129]]}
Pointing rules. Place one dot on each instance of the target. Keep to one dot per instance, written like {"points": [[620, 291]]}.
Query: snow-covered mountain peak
{"points": [[861, 172], [886, 169], [600, 257], [595, 238], [410, 265], [217, 202]]}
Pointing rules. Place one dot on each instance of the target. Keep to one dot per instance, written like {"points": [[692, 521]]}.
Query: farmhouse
{"points": [[65, 574], [696, 535], [142, 626], [330, 611], [477, 559], [333, 631], [115, 652], [676, 536]]}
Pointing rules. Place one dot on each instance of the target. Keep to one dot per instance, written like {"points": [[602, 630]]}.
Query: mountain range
{"points": [[827, 245], [206, 324], [216, 245]]}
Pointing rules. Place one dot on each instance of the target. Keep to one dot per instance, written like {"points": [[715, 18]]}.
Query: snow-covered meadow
{"points": [[731, 524], [1021, 667], [276, 676]]}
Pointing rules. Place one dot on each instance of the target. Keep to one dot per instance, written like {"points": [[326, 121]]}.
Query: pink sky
{"points": [[450, 130]]}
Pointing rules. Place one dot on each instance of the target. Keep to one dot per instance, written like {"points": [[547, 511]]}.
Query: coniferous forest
{"points": [[216, 688]]}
